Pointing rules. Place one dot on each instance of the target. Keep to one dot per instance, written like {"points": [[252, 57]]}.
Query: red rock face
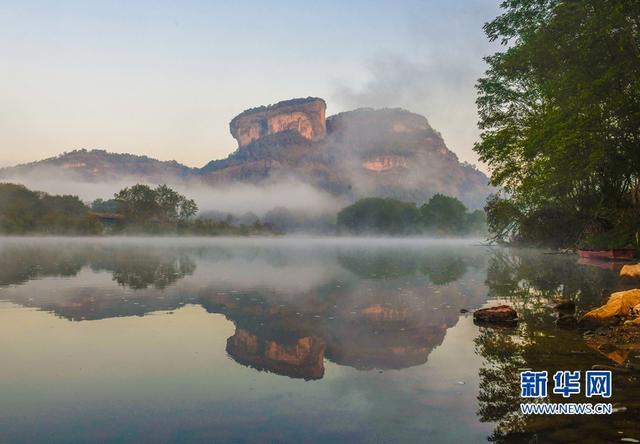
{"points": [[379, 313], [304, 116], [354, 154], [296, 354], [246, 341], [385, 163], [303, 358]]}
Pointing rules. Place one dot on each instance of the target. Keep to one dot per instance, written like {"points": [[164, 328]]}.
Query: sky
{"points": [[164, 78]]}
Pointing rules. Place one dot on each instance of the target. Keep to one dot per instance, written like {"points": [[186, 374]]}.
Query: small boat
{"points": [[609, 264], [615, 254]]}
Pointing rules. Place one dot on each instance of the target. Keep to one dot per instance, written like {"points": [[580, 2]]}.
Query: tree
{"points": [[26, 211], [138, 203], [188, 209], [378, 215], [444, 214], [20, 209], [560, 119], [476, 222], [143, 205]]}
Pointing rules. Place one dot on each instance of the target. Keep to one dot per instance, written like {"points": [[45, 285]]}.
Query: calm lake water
{"points": [[288, 340]]}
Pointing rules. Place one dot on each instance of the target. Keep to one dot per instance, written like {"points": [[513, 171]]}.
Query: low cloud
{"points": [[235, 198], [243, 198]]}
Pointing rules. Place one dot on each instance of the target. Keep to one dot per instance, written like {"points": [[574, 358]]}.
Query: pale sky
{"points": [[164, 78]]}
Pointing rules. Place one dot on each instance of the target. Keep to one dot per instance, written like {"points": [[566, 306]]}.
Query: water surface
{"points": [[287, 340]]}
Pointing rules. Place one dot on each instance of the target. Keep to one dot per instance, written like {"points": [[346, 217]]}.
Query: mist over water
{"points": [[202, 336]]}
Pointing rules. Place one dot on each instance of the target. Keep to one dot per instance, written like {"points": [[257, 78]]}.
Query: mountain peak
{"points": [[389, 152], [304, 116]]}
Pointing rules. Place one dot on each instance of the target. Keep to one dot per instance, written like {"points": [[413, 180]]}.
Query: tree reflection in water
{"points": [[133, 269], [383, 308], [441, 270], [138, 270], [367, 308], [529, 281], [19, 264], [130, 268]]}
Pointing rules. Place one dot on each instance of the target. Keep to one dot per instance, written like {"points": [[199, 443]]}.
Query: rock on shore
{"points": [[630, 271], [502, 314], [619, 307]]}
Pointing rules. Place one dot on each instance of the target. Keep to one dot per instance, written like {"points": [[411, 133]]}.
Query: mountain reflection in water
{"points": [[316, 309], [366, 308]]}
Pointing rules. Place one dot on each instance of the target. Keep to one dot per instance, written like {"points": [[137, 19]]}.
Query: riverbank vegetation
{"points": [[23, 211], [560, 123], [441, 216], [139, 209]]}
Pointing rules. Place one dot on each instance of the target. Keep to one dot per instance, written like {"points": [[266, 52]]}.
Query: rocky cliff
{"points": [[365, 152], [304, 116], [360, 153], [396, 153]]}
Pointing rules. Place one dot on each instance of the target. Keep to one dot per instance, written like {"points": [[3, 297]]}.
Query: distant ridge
{"points": [[100, 165], [367, 152]]}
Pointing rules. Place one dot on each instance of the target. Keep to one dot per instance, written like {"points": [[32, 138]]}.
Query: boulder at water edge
{"points": [[618, 307], [502, 314], [630, 271]]}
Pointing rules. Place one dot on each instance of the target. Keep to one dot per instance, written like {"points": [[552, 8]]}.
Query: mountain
{"points": [[365, 152], [99, 166]]}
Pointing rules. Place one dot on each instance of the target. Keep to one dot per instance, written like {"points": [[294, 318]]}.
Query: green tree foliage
{"points": [[476, 222], [161, 206], [560, 121], [23, 211], [378, 215], [138, 209], [442, 215]]}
